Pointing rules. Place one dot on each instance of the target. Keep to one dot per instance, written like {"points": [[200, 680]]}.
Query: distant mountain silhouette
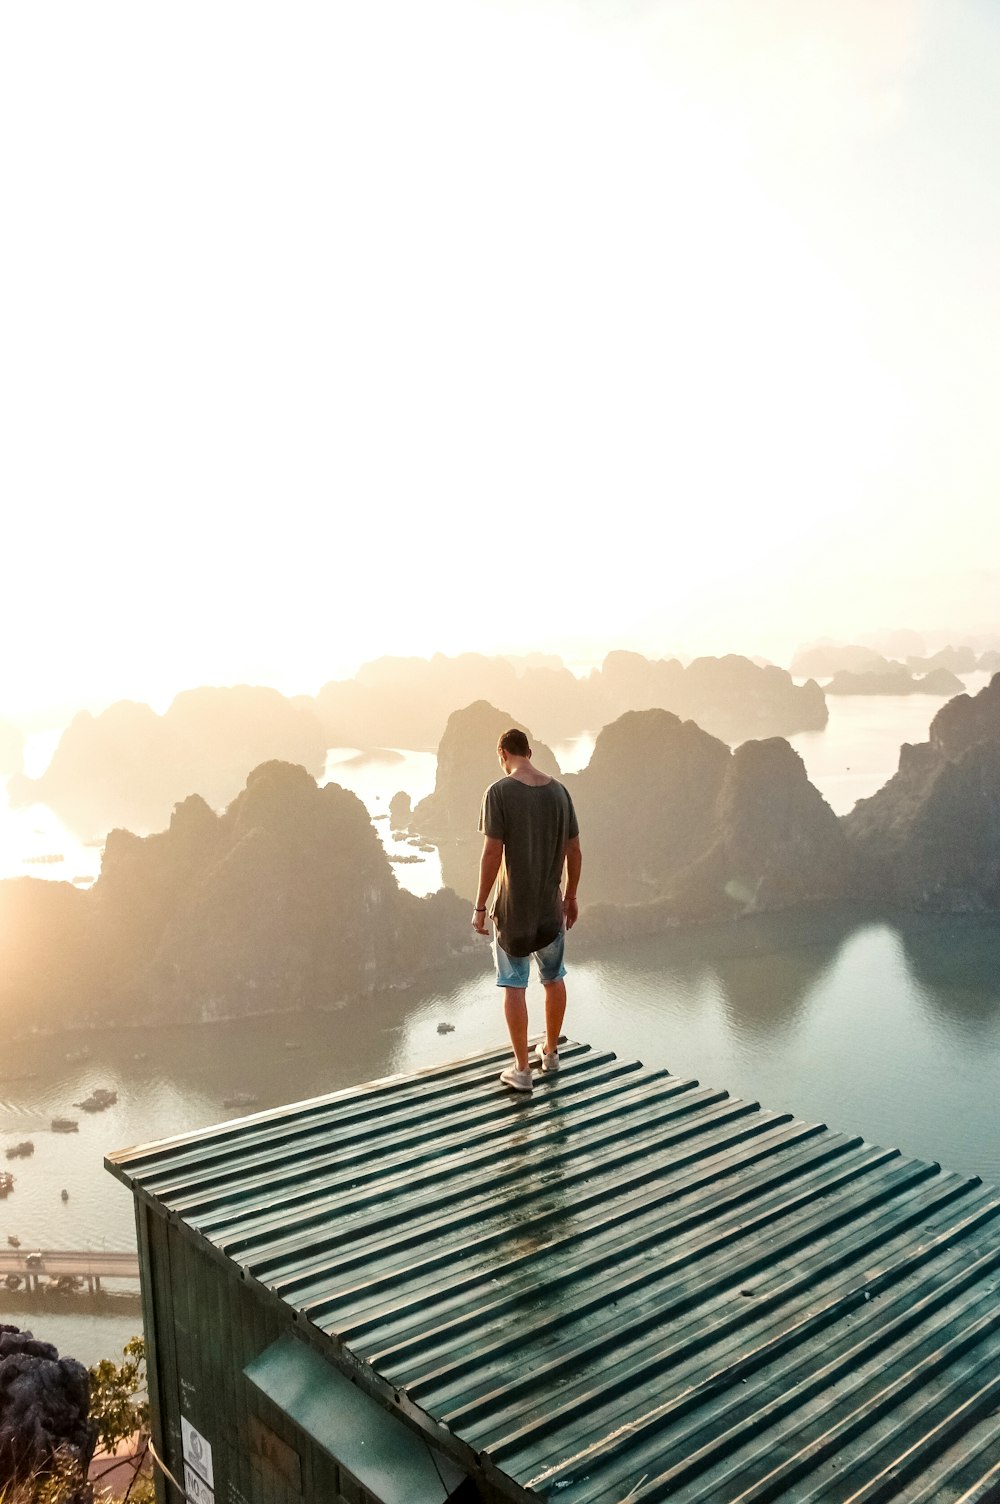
{"points": [[960, 660], [285, 901], [824, 660], [129, 766], [895, 679], [406, 702], [930, 838], [731, 697], [829, 658]]}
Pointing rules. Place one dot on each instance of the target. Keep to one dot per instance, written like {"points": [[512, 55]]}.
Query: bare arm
{"points": [[489, 866], [574, 862]]}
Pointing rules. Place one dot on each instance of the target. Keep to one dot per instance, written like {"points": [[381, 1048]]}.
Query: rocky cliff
{"points": [[930, 838], [128, 766], [777, 843], [646, 804], [44, 1419], [672, 817], [285, 900], [668, 815], [52, 967], [466, 765]]}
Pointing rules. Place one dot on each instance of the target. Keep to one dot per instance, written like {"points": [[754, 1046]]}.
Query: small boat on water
{"points": [[65, 1125], [22, 1150], [98, 1100], [6, 1182], [13, 1242]]}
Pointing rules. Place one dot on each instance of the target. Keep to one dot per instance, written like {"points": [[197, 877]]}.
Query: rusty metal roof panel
{"points": [[624, 1287]]}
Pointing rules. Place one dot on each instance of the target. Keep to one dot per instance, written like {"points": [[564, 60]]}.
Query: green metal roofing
{"points": [[624, 1287], [381, 1451]]}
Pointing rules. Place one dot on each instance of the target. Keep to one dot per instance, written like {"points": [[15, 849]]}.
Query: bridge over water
{"points": [[36, 1266]]}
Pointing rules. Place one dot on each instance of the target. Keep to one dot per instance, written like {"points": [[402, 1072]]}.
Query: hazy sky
{"points": [[336, 329]]}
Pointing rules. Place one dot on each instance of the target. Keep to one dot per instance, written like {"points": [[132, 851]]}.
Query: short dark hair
{"points": [[514, 743]]}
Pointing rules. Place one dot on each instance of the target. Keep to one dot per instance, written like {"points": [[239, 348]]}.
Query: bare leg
{"points": [[515, 1007], [555, 1012]]}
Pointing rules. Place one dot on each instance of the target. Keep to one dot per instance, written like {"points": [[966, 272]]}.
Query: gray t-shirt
{"points": [[534, 822]]}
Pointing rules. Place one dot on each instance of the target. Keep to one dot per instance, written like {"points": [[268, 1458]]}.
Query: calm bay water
{"points": [[891, 1031]]}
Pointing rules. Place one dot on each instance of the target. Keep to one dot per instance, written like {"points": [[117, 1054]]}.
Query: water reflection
{"points": [[955, 961], [760, 971], [765, 995]]}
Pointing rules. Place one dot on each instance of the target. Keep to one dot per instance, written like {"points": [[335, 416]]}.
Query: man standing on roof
{"points": [[531, 833]]}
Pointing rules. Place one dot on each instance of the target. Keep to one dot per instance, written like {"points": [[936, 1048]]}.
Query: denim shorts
{"points": [[513, 971]]}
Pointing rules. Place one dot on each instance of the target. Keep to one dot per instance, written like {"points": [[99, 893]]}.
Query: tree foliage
{"points": [[119, 1409]]}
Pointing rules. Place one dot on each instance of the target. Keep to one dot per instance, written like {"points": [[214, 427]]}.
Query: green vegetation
{"points": [[119, 1413]]}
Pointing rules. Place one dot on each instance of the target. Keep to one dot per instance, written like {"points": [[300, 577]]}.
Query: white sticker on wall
{"points": [[197, 1451], [196, 1488]]}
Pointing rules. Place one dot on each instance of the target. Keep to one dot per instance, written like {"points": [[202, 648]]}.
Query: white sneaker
{"points": [[548, 1063], [519, 1080]]}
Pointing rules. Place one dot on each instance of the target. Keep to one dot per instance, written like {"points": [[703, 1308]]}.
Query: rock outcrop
{"points": [[825, 659], [959, 660], [646, 804], [940, 681], [895, 679], [400, 810], [467, 764], [668, 816], [672, 817], [286, 900], [44, 1411], [52, 966], [778, 843], [128, 766], [930, 838]]}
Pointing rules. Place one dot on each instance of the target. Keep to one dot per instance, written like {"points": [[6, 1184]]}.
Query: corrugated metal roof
{"points": [[626, 1286]]}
